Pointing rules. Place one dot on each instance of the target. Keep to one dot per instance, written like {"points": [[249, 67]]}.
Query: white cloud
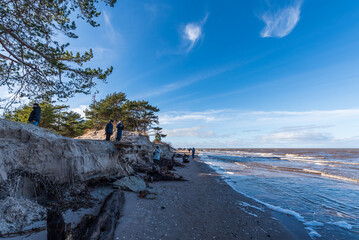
{"points": [[193, 32], [234, 128], [178, 117], [297, 136], [282, 22], [189, 132], [80, 110], [4, 93]]}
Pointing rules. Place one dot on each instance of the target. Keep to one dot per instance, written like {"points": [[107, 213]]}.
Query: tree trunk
{"points": [[55, 225], [103, 226]]}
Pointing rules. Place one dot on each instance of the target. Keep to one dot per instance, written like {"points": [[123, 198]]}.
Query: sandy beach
{"points": [[204, 207]]}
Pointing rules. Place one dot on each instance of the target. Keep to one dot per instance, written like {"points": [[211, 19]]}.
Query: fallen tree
{"points": [[102, 226]]}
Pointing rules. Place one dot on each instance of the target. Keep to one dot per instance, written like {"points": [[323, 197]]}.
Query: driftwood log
{"points": [[167, 163], [55, 225], [164, 176], [154, 175], [102, 226], [185, 158]]}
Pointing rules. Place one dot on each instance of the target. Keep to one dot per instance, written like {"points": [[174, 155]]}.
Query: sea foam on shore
{"points": [[290, 182]]}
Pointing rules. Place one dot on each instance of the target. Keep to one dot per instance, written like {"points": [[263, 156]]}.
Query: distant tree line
{"points": [[136, 115]]}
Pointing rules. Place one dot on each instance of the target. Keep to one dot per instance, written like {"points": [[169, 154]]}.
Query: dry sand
{"points": [[202, 208]]}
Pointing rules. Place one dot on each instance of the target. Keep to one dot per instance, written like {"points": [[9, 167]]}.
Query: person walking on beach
{"points": [[193, 152], [157, 155], [35, 114], [119, 127], [109, 130]]}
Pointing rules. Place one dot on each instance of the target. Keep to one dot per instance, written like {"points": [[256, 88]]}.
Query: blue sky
{"points": [[249, 73]]}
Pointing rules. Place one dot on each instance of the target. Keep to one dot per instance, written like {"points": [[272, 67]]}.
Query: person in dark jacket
{"points": [[109, 130], [193, 152], [35, 115], [119, 127]]}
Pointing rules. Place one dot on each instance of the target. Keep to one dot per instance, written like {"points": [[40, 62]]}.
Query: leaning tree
{"points": [[32, 63]]}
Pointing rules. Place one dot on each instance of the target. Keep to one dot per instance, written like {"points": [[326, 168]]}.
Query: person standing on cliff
{"points": [[119, 127], [157, 155], [109, 130], [35, 114], [193, 152]]}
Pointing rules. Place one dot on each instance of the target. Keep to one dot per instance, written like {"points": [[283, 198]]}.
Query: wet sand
{"points": [[204, 207]]}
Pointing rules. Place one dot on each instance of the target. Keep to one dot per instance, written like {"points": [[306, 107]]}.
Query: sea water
{"points": [[319, 187]]}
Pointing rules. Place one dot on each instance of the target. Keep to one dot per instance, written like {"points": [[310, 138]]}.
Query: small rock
{"points": [[131, 183]]}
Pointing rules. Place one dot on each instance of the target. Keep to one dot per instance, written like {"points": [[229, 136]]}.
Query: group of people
{"points": [[35, 117], [109, 130]]}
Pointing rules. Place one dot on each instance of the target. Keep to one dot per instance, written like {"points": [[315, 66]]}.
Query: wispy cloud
{"points": [[177, 117], [193, 32], [316, 128], [281, 22], [297, 136], [189, 132], [188, 81], [111, 33]]}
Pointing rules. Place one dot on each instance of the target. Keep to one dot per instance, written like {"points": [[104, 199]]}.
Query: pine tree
{"points": [[159, 134], [53, 117], [100, 112], [32, 63], [139, 115]]}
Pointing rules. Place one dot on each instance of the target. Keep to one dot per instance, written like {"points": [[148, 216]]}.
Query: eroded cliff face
{"points": [[39, 168], [140, 145], [37, 151]]}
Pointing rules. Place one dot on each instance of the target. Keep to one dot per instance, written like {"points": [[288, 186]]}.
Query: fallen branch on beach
{"points": [[155, 175], [102, 226], [185, 158], [164, 176]]}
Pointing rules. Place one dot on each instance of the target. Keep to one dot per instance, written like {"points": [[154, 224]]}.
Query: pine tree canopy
{"points": [[32, 63]]}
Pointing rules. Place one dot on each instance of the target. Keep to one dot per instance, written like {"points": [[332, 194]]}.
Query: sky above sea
{"points": [[234, 73]]}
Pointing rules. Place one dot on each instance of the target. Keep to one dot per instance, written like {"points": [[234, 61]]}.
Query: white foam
{"points": [[314, 224], [312, 233], [342, 224], [249, 205]]}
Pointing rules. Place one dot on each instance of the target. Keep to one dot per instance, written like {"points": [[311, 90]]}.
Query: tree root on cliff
{"points": [[46, 191]]}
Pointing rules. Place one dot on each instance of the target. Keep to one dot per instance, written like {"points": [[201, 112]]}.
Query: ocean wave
{"points": [[250, 169], [342, 224], [328, 175]]}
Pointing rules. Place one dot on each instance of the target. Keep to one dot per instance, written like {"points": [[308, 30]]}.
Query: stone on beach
{"points": [[131, 183]]}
